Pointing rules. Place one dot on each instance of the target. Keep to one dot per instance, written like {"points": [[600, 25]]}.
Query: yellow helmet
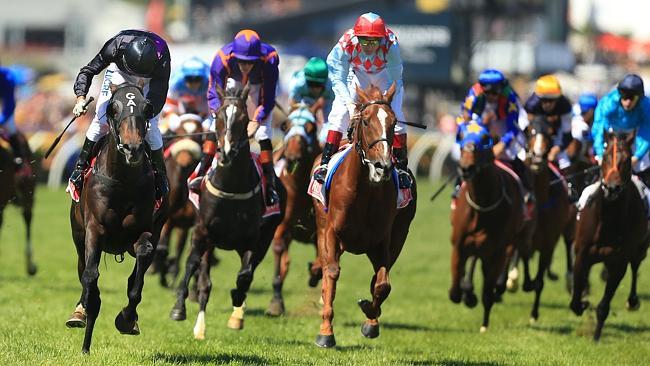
{"points": [[548, 86]]}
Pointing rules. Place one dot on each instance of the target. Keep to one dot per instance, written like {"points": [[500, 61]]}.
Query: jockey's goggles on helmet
{"points": [[368, 41], [491, 88], [193, 79], [628, 94], [548, 99], [314, 84]]}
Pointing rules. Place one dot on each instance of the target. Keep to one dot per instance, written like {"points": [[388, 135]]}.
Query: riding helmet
{"points": [[316, 70], [370, 25], [140, 56], [247, 45], [631, 83], [491, 79]]}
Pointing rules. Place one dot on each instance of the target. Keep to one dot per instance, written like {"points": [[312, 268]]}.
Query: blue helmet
{"points": [[194, 69], [587, 101], [474, 132], [491, 79]]}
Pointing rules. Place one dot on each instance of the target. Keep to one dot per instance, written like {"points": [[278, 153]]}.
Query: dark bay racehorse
{"points": [[362, 217], [230, 214], [553, 207], [299, 151], [115, 213], [612, 228], [19, 189], [487, 223]]}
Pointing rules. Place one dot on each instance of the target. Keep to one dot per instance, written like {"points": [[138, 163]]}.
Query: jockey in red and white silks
{"points": [[365, 55]]}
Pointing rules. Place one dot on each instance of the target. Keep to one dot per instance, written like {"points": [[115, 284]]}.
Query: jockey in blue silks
{"points": [[7, 124]]}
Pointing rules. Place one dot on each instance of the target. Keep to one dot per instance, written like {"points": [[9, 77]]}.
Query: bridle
{"points": [[113, 122], [361, 137], [231, 100]]}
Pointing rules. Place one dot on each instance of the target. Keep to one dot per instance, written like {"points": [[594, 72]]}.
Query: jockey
{"points": [[312, 87], [547, 102], [245, 60], [188, 90], [131, 56], [7, 124], [366, 54], [583, 119], [626, 109]]}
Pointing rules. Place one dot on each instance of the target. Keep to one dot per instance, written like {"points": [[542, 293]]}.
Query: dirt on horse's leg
{"points": [[633, 303], [581, 269], [162, 251], [616, 272], [204, 288], [545, 257], [491, 267], [458, 260], [199, 240], [127, 319], [90, 300], [280, 246], [331, 271]]}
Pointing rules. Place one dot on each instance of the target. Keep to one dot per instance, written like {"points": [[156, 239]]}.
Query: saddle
{"points": [[321, 191]]}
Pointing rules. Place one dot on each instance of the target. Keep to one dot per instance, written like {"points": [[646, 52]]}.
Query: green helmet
{"points": [[316, 70]]}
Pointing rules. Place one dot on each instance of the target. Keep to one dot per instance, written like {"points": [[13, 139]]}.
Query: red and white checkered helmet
{"points": [[370, 25]]}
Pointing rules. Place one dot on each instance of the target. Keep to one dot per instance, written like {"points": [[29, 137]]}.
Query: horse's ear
{"points": [[244, 93], [112, 87], [361, 94], [390, 92]]}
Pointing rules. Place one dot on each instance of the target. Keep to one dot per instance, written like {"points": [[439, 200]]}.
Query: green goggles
{"points": [[368, 42]]}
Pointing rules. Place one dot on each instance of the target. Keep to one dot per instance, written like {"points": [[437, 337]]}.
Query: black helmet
{"points": [[140, 56], [631, 83]]}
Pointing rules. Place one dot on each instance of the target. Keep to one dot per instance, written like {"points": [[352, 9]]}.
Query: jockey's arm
{"points": [[94, 67], [338, 66], [395, 66], [159, 85], [218, 75], [270, 76], [642, 140]]}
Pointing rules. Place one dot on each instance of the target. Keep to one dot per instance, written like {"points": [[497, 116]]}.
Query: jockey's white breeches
{"points": [[99, 125]]}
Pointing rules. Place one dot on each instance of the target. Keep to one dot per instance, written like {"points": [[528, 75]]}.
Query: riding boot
{"points": [[77, 176], [266, 158], [321, 171], [160, 173], [209, 150], [401, 163]]}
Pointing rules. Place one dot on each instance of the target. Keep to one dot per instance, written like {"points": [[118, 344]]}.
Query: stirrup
{"points": [[404, 179], [320, 173], [195, 184], [272, 196]]}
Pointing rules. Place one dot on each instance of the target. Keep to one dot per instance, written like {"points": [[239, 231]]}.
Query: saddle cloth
{"points": [[321, 191], [268, 210]]}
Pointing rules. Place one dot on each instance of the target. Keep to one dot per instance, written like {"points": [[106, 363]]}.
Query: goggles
{"points": [[369, 41]]}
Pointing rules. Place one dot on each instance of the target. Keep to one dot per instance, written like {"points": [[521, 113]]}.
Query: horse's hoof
{"points": [[276, 307], [498, 298], [470, 300], [552, 276], [78, 318], [483, 329], [178, 314], [529, 286], [579, 307], [31, 269], [512, 285], [126, 327], [325, 341], [532, 320], [370, 330], [633, 304], [455, 296], [235, 323], [313, 278]]}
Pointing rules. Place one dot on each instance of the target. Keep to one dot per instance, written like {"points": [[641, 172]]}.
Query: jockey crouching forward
{"points": [[493, 102], [7, 124], [312, 87], [625, 109], [188, 92], [245, 60], [371, 52], [138, 58]]}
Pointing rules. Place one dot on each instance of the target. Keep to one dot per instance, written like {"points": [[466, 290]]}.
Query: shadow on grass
{"points": [[410, 327], [448, 362], [627, 328], [559, 329], [182, 359]]}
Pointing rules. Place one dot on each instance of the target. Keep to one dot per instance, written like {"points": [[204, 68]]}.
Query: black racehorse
{"points": [[230, 214], [116, 211]]}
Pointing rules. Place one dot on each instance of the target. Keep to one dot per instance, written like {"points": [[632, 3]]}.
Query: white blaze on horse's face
{"points": [[383, 116], [538, 147], [231, 112], [379, 171]]}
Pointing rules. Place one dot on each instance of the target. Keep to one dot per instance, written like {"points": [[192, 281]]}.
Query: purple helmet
{"points": [[247, 45]]}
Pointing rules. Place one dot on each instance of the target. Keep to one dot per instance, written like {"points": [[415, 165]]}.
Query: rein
{"points": [[242, 141], [358, 145], [479, 208]]}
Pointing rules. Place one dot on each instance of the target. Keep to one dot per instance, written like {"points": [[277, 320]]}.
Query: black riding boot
{"points": [[77, 176], [18, 151], [321, 171], [271, 192], [403, 175], [160, 173]]}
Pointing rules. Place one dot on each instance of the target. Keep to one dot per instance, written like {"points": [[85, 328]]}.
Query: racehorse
{"points": [[296, 159], [230, 215], [611, 228], [553, 206], [115, 213], [18, 188], [488, 221], [362, 216]]}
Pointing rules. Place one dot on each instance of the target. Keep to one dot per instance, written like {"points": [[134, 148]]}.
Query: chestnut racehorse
{"points": [[362, 216], [612, 228], [296, 157]]}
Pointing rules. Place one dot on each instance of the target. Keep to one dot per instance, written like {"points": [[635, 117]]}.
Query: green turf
{"points": [[420, 326]]}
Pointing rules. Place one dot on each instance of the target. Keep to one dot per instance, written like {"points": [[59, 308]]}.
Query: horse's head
{"points": [[126, 117], [375, 130], [616, 166], [231, 123], [476, 149], [300, 135], [539, 134]]}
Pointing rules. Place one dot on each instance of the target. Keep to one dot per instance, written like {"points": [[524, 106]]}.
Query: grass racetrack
{"points": [[419, 325]]}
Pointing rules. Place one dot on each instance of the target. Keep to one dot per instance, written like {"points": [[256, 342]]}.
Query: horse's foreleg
{"points": [[569, 236], [90, 300], [581, 270], [329, 258], [379, 289], [280, 246], [204, 285], [162, 251], [633, 303], [127, 319], [467, 285], [545, 257], [199, 239], [27, 217], [238, 294], [458, 259], [491, 268], [175, 265], [616, 272]]}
